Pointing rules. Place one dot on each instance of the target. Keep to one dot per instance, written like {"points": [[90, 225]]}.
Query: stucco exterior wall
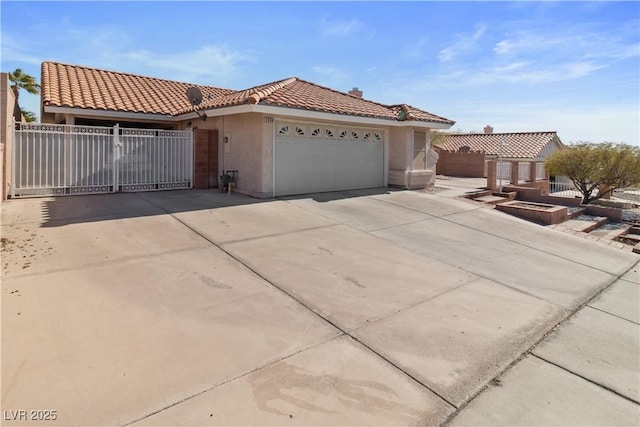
{"points": [[268, 135], [7, 104], [400, 143], [245, 152], [548, 149], [246, 144], [401, 172]]}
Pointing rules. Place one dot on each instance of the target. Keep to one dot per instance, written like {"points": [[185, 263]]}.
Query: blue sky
{"points": [[572, 67]]}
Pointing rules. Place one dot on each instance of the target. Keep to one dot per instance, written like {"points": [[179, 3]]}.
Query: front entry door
{"points": [[206, 158]]}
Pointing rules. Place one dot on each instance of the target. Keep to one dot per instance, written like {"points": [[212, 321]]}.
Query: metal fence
{"points": [[563, 187], [503, 170], [630, 194], [67, 159]]}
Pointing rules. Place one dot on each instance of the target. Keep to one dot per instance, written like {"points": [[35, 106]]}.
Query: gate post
{"points": [[514, 172], [13, 158], [491, 175], [114, 154]]}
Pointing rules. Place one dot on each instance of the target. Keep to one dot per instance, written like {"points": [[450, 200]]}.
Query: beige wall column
{"points": [[532, 171], [514, 172], [7, 104], [491, 175], [399, 162], [409, 154], [244, 152], [268, 141]]}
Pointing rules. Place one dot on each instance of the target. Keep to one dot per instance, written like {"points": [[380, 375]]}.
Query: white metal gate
{"points": [[53, 159]]}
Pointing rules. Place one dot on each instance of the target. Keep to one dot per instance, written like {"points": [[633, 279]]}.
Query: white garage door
{"points": [[314, 158]]}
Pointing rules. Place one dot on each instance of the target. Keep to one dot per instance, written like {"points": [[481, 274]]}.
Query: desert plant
{"points": [[596, 169]]}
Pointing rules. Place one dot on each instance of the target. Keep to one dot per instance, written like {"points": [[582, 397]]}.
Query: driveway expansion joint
{"points": [[306, 306], [637, 402], [284, 233], [612, 314], [432, 297], [229, 380], [520, 243], [531, 351]]}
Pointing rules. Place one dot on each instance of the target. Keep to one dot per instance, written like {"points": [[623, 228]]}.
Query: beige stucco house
{"points": [[286, 137]]}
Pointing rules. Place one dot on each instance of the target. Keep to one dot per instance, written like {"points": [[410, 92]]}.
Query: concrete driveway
{"points": [[372, 307]]}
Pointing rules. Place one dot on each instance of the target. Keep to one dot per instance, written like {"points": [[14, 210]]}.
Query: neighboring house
{"points": [[513, 146], [286, 137]]}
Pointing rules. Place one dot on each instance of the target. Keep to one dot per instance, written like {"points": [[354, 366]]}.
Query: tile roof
{"points": [[519, 145], [81, 87], [88, 88]]}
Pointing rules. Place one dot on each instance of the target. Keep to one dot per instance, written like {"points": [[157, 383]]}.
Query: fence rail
{"points": [[563, 187], [503, 170], [67, 159]]}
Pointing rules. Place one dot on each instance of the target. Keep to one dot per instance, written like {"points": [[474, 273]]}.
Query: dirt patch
{"points": [[19, 252], [432, 190]]}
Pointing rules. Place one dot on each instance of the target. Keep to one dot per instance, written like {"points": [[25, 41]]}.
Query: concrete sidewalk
{"points": [[374, 307]]}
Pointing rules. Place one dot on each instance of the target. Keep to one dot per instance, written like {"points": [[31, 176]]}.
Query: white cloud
{"points": [[210, 63], [574, 42], [110, 48], [15, 51], [340, 28], [463, 43], [530, 72], [415, 50]]}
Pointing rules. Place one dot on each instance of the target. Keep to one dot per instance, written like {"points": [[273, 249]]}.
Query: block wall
{"points": [[469, 164]]}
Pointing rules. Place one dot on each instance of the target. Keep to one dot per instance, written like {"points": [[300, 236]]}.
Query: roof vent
{"points": [[356, 92]]}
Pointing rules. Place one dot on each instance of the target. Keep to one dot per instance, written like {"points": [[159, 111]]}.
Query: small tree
{"points": [[436, 137], [596, 169]]}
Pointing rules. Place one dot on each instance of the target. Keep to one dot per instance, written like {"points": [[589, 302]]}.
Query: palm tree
{"points": [[29, 116], [20, 80]]}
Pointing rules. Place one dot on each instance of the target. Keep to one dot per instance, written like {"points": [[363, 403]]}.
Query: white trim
{"points": [[227, 111], [82, 112], [251, 108], [334, 117]]}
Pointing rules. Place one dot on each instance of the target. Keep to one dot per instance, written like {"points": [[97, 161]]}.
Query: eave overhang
{"points": [[248, 108]]}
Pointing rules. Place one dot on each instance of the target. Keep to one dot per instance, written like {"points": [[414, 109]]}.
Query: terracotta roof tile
{"points": [[81, 87], [519, 145]]}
